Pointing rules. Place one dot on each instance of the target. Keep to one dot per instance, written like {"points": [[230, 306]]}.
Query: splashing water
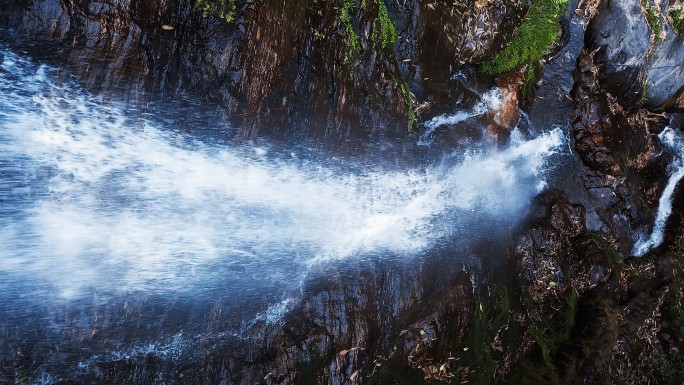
{"points": [[673, 140], [93, 198], [490, 100]]}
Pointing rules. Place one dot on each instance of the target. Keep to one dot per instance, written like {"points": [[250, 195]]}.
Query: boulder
{"points": [[642, 58]]}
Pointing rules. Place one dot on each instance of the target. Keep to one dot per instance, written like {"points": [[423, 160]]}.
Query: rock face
{"points": [[543, 253], [618, 147], [595, 135], [398, 322], [324, 68], [451, 36], [643, 56], [587, 314]]}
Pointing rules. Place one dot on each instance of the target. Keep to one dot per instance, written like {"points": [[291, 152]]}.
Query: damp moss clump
{"points": [[384, 33], [223, 9], [537, 33], [549, 337], [480, 344], [408, 99], [352, 45]]}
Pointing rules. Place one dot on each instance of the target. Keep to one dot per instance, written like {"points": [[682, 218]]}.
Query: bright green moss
{"points": [[384, 33], [352, 45], [536, 34]]}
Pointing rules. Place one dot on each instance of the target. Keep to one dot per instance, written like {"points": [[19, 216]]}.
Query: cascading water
{"points": [[490, 100], [672, 139], [97, 203], [117, 204]]}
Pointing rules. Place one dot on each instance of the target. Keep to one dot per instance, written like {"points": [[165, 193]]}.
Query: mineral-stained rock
{"points": [[501, 121]]}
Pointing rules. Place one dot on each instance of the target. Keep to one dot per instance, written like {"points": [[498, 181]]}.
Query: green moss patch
{"points": [[384, 33], [352, 45], [223, 9], [479, 342], [536, 35], [652, 18], [408, 99]]}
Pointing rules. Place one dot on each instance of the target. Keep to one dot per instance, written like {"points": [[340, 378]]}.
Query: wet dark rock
{"points": [[351, 325], [594, 133], [623, 58], [457, 35], [310, 68], [642, 311], [592, 262], [619, 148], [573, 311], [603, 318], [637, 66], [560, 268], [589, 354], [360, 327], [503, 120], [542, 252]]}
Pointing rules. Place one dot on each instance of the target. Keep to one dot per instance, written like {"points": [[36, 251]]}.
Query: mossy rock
{"points": [[537, 33]]}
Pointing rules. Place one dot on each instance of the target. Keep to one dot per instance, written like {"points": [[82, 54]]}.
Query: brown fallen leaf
{"points": [[345, 351]]}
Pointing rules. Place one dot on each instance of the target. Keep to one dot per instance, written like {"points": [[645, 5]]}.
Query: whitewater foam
{"points": [[490, 100], [115, 202], [672, 139]]}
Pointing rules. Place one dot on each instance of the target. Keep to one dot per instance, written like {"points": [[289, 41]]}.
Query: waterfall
{"points": [[672, 139], [490, 100], [116, 202]]}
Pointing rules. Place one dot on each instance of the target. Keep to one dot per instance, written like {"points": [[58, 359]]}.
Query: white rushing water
{"points": [[490, 100], [672, 139], [92, 198]]}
